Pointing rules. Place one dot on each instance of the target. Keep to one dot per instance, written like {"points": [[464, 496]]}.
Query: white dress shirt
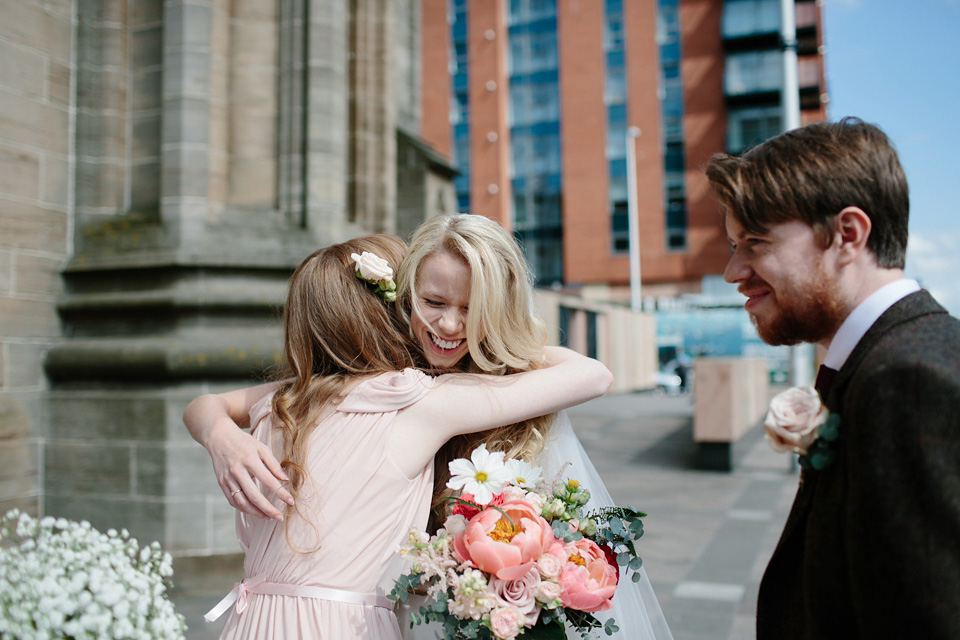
{"points": [[862, 318]]}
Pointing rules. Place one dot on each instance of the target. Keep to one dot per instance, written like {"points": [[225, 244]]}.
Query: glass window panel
{"points": [[749, 17], [753, 72]]}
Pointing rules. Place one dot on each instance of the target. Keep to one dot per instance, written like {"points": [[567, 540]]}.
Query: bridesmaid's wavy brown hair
{"points": [[336, 329]]}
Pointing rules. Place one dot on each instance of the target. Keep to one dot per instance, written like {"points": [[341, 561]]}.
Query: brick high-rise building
{"points": [[533, 100]]}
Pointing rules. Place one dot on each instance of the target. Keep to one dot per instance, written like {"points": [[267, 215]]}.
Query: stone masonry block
{"points": [[186, 528], [144, 520], [17, 416], [147, 89], [95, 468], [185, 120], [187, 73], [19, 173], [37, 275], [259, 47], [27, 226], [28, 318], [19, 70], [58, 83], [18, 467], [147, 46], [55, 184], [32, 26], [24, 365], [187, 25], [146, 12], [101, 416], [146, 137], [6, 273], [253, 181], [255, 10], [174, 470]]}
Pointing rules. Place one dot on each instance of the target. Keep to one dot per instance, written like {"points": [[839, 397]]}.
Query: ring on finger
{"points": [[236, 492]]}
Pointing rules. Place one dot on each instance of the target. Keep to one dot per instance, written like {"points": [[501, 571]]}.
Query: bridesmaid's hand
{"points": [[238, 459]]}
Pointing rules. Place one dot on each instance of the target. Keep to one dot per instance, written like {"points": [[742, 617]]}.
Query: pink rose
{"points": [[506, 623], [470, 510], [519, 593], [794, 417], [505, 546], [588, 579]]}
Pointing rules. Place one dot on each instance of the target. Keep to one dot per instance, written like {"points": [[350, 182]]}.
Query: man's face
{"points": [[792, 296]]}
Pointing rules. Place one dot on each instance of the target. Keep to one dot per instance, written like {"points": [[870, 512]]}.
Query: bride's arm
{"points": [[216, 421], [464, 403]]}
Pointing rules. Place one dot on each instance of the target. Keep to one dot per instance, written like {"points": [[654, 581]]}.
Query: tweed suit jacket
{"points": [[871, 548]]}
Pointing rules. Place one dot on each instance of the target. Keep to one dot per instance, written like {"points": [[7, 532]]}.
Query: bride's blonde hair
{"points": [[503, 334]]}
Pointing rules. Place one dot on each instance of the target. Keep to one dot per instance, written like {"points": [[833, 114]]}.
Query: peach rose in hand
{"points": [[794, 417], [588, 579], [506, 546]]}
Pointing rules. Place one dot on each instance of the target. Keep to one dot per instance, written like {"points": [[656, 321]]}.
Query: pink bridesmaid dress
{"points": [[325, 574]]}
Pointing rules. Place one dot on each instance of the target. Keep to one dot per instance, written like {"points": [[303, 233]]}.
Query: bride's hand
{"points": [[239, 458]]}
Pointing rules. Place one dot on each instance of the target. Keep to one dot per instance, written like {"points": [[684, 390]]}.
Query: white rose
{"points": [[794, 417], [548, 593], [455, 524], [372, 267]]}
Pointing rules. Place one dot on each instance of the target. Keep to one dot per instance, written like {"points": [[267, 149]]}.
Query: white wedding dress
{"points": [[635, 607]]}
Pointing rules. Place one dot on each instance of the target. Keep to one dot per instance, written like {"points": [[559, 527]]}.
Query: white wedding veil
{"points": [[635, 607]]}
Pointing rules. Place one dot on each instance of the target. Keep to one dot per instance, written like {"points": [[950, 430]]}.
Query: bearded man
{"points": [[817, 222]]}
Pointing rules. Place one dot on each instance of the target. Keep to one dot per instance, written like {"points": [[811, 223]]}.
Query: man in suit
{"points": [[817, 221]]}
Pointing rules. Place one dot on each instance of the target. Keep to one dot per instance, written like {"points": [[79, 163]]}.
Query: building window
{"points": [[750, 17], [751, 126], [753, 72]]}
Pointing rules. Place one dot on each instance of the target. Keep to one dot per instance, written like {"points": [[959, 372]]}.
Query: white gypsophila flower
{"points": [[523, 474], [483, 475], [65, 579], [471, 595]]}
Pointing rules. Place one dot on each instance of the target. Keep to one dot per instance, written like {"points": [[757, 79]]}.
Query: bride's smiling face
{"points": [[439, 318]]}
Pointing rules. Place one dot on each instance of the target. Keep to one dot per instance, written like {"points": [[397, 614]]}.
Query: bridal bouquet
{"points": [[519, 556], [63, 579]]}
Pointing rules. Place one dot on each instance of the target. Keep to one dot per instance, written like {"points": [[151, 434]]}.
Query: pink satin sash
{"points": [[259, 584]]}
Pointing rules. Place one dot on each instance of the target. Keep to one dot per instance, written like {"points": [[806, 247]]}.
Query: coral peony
{"points": [[505, 545], [588, 580]]}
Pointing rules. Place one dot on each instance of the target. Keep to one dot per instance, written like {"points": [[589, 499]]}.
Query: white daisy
{"points": [[483, 475], [523, 474]]}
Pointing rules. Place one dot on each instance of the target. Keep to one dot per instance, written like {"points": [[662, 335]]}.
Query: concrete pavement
{"points": [[708, 535]]}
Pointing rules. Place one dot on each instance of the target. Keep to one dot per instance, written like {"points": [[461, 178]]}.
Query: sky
{"points": [[896, 63]]}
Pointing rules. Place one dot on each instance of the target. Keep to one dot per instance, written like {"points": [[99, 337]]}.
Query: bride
{"points": [[466, 291]]}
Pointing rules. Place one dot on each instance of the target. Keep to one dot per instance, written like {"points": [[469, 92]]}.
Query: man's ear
{"points": [[851, 229]]}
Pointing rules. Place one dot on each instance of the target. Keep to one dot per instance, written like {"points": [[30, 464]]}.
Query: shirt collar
{"points": [[862, 318]]}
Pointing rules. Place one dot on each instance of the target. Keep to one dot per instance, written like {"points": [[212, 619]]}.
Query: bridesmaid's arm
{"points": [[217, 421]]}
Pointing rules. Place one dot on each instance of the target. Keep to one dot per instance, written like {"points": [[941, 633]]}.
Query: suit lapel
{"points": [[912, 306]]}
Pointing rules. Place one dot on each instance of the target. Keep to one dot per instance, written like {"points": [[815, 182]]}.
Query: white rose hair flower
{"points": [[483, 475], [375, 271]]}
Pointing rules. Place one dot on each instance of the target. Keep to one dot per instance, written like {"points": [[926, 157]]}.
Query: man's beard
{"points": [[809, 315]]}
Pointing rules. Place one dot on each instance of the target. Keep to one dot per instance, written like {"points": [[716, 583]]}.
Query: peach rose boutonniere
{"points": [[798, 422]]}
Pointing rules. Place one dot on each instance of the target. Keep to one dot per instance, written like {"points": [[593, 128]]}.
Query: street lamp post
{"points": [[801, 370], [633, 220]]}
